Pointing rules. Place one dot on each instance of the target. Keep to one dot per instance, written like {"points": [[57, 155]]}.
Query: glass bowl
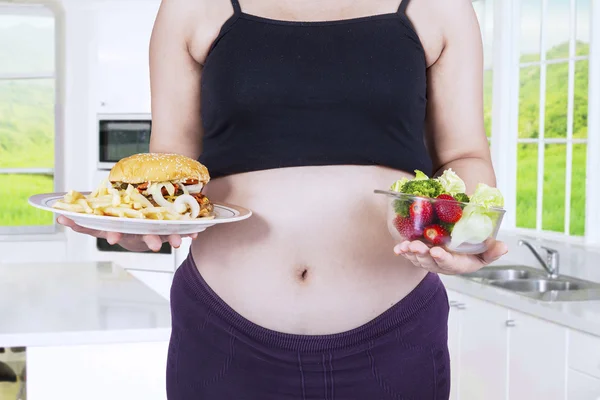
{"points": [[458, 227]]}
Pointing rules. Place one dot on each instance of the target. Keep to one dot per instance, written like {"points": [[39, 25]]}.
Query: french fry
{"points": [[106, 200], [137, 197], [72, 196], [68, 207], [83, 203]]}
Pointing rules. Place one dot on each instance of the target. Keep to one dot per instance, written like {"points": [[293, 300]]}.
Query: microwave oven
{"points": [[122, 135]]}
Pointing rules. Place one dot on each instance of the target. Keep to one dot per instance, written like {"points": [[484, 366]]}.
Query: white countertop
{"points": [[78, 303], [580, 315], [575, 261]]}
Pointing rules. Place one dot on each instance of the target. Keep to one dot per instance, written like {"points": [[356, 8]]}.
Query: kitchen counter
{"points": [[580, 315], [575, 261], [45, 304]]}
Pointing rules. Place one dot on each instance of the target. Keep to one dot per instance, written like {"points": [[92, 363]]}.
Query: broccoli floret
{"points": [[402, 207], [424, 187], [462, 197]]}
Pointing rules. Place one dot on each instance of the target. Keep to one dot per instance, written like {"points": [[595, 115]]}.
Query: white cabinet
{"points": [[582, 386], [454, 335], [97, 372], [500, 353], [123, 31], [537, 358], [483, 350], [477, 341], [584, 353]]}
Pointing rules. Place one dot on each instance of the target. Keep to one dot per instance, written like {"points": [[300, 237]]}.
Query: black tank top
{"points": [[280, 94]]}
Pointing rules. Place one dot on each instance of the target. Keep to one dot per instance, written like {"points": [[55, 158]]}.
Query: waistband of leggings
{"points": [[390, 319]]}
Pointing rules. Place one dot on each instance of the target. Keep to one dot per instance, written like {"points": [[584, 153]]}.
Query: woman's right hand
{"points": [[137, 243]]}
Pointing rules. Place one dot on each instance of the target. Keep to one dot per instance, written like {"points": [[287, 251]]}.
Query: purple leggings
{"points": [[216, 354]]}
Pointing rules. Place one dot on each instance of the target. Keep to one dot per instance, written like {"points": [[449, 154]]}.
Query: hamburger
{"points": [[172, 181]]}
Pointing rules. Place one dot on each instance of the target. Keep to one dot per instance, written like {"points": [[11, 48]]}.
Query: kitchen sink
{"points": [[506, 273], [538, 285], [535, 283]]}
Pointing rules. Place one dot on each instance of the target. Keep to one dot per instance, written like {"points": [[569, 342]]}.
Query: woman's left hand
{"points": [[440, 261]]}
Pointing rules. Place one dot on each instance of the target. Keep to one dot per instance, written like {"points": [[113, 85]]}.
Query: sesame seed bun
{"points": [[158, 167]]}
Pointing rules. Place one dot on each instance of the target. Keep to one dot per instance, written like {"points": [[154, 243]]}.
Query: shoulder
{"points": [[455, 18], [197, 22], [443, 23]]}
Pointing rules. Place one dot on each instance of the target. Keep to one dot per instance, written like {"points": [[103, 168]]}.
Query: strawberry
{"points": [[447, 210], [436, 235], [406, 227], [421, 212]]}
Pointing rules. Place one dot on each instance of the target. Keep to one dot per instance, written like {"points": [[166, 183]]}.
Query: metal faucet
{"points": [[551, 262]]}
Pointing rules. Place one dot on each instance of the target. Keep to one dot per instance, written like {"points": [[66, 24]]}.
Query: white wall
{"points": [[74, 19]]}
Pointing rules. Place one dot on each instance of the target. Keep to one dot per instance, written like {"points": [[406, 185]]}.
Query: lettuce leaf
{"points": [[420, 176], [475, 226], [397, 186], [451, 182], [487, 196]]}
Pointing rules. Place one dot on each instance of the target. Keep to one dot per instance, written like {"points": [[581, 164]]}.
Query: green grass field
{"points": [[14, 191], [26, 140]]}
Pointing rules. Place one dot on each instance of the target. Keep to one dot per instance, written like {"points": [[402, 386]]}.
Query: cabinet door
{"points": [[537, 359], [456, 304], [584, 353], [483, 351], [123, 31], [97, 372], [582, 386]]}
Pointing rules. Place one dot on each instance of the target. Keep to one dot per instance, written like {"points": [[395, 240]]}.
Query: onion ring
{"points": [[182, 202]]}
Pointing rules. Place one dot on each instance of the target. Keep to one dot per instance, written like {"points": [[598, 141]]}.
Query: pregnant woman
{"points": [[299, 109]]}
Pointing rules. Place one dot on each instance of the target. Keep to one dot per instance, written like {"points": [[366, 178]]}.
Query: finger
{"points": [[418, 247], [413, 249], [411, 257], [426, 261], [496, 250], [193, 235], [174, 240], [64, 220], [153, 242], [421, 251], [113, 237], [401, 248], [69, 223], [444, 260], [456, 263]]}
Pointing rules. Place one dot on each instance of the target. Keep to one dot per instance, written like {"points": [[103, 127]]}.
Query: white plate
{"points": [[224, 213]]}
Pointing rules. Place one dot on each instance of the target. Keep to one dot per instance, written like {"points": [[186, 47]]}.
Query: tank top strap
{"points": [[401, 7], [237, 8]]}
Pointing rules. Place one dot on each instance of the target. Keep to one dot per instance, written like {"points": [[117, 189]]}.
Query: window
{"points": [[543, 142], [27, 114], [485, 15], [552, 121]]}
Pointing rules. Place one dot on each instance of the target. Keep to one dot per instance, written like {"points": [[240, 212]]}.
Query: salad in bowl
{"points": [[438, 212]]}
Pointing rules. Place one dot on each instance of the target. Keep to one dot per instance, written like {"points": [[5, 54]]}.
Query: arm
{"points": [[176, 125], [455, 133], [174, 83]]}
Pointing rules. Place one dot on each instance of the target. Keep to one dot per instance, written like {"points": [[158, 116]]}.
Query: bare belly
{"points": [[316, 256]]}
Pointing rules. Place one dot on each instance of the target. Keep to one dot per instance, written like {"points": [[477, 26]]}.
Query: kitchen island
{"points": [[83, 330]]}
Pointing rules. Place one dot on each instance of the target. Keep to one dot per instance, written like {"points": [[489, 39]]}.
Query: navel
{"points": [[302, 274]]}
